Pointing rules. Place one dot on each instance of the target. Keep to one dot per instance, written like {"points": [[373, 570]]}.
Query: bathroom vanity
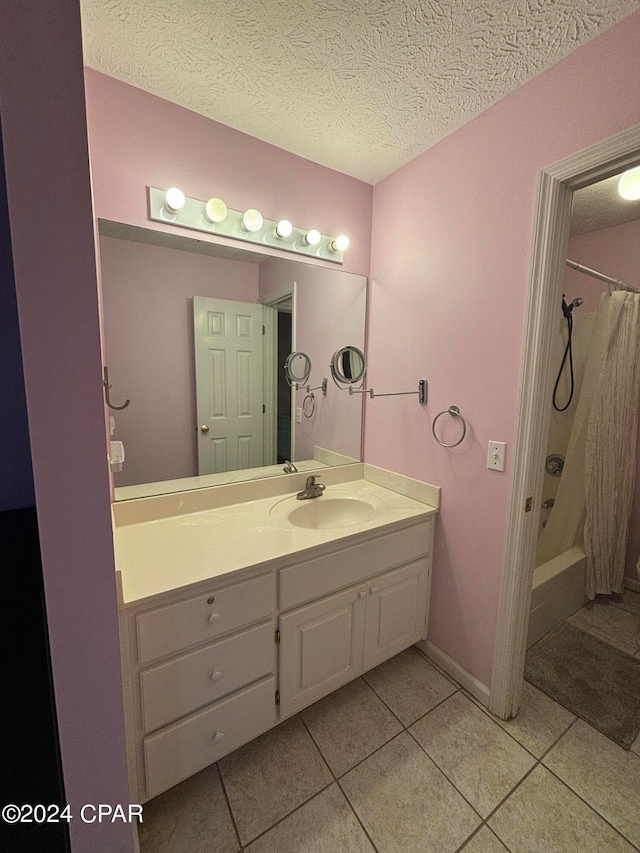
{"points": [[239, 606]]}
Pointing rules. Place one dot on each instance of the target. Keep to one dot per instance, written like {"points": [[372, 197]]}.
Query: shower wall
{"points": [[561, 422]]}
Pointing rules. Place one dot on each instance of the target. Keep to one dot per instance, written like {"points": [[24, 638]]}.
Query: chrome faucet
{"points": [[289, 467], [312, 489]]}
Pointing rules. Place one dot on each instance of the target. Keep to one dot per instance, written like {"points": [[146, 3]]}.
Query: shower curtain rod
{"points": [[614, 281]]}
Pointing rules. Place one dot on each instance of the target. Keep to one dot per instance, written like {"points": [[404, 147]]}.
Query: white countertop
{"points": [[157, 556]]}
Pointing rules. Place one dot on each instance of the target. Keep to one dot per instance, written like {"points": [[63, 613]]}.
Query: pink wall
{"points": [[148, 330], [139, 140], [615, 252], [46, 157], [448, 295], [330, 314]]}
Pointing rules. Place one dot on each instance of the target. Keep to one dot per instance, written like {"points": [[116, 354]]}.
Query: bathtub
{"points": [[558, 591]]}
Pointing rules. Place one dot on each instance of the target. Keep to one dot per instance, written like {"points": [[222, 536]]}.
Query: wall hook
{"points": [[107, 388]]}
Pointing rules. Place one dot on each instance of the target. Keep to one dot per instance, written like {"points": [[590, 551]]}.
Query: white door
{"points": [[229, 384]]}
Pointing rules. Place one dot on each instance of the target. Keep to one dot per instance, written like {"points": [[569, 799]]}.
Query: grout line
{"points": [[226, 796], [292, 812], [450, 781], [313, 740], [591, 807], [357, 816]]}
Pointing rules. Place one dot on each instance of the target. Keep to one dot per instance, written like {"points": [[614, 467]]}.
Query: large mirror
{"points": [[197, 336]]}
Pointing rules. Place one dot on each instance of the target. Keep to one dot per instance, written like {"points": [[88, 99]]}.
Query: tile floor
{"points": [[402, 760]]}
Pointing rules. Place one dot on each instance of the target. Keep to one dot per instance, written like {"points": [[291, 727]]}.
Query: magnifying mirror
{"points": [[297, 368], [348, 365]]}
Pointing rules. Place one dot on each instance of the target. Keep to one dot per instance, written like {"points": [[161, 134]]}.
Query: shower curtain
{"points": [[610, 447]]}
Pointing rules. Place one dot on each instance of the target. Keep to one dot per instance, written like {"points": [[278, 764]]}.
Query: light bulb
{"points": [[284, 228], [174, 200], [215, 210], [252, 220], [340, 244], [313, 237], [629, 184]]}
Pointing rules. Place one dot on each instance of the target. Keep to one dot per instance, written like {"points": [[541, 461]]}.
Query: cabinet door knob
{"points": [[218, 737], [361, 594], [373, 590], [215, 617], [216, 675]]}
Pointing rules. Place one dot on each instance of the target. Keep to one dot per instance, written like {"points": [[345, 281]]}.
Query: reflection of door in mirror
{"points": [[230, 392], [285, 338]]}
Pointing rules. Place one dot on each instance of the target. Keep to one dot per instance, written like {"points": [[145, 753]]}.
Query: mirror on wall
{"points": [[197, 336]]}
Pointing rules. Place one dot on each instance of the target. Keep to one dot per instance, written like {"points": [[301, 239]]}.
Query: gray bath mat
{"points": [[597, 682]]}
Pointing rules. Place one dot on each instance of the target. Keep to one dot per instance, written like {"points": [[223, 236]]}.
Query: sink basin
{"points": [[328, 512], [334, 509]]}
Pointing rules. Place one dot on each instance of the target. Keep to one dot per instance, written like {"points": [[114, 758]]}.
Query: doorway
{"points": [[550, 240]]}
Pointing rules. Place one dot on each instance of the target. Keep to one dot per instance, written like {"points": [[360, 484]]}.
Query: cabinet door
{"points": [[321, 648], [396, 612]]}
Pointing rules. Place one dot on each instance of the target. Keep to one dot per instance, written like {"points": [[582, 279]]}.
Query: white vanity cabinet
{"points": [[211, 664], [200, 678], [328, 642]]}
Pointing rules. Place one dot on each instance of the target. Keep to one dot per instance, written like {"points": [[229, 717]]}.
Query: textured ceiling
{"points": [[600, 206], [362, 86]]}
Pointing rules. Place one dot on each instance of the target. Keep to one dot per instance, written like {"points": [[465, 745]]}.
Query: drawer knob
{"points": [[216, 675], [374, 589], [215, 617], [362, 594], [218, 737]]}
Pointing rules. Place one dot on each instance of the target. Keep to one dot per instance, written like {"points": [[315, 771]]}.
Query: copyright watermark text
{"points": [[88, 813]]}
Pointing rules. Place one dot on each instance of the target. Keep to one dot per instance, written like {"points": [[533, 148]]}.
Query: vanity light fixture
{"points": [[174, 200], [629, 184], [213, 217], [283, 229], [252, 220], [215, 210], [340, 244], [313, 237]]}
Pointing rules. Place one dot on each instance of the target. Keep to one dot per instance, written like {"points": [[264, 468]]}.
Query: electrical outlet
{"points": [[298, 415], [496, 455]]}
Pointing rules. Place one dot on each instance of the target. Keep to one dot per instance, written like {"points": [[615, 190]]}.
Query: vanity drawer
{"points": [[324, 575], [192, 744], [176, 688], [171, 629]]}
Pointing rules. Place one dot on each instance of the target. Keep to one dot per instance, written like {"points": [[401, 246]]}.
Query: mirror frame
{"points": [[338, 374], [297, 380]]}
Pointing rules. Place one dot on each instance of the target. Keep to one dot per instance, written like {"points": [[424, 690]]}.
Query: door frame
{"points": [[272, 300], [550, 239]]}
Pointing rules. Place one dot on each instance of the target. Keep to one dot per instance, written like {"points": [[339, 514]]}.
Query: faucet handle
{"points": [[311, 480]]}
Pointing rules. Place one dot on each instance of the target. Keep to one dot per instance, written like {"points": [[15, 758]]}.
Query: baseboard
{"points": [[464, 678], [632, 583]]}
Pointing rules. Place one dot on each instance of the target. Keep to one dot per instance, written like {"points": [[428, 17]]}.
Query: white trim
{"points": [[549, 246], [464, 678], [282, 294], [270, 383]]}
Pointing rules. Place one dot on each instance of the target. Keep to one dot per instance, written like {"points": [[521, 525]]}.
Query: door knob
{"points": [[204, 428], [215, 617], [216, 675], [218, 737]]}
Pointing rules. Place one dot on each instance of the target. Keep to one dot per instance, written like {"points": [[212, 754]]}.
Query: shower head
{"points": [[568, 309]]}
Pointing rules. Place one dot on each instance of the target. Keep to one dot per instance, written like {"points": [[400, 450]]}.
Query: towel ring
{"points": [[309, 405], [454, 411]]}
